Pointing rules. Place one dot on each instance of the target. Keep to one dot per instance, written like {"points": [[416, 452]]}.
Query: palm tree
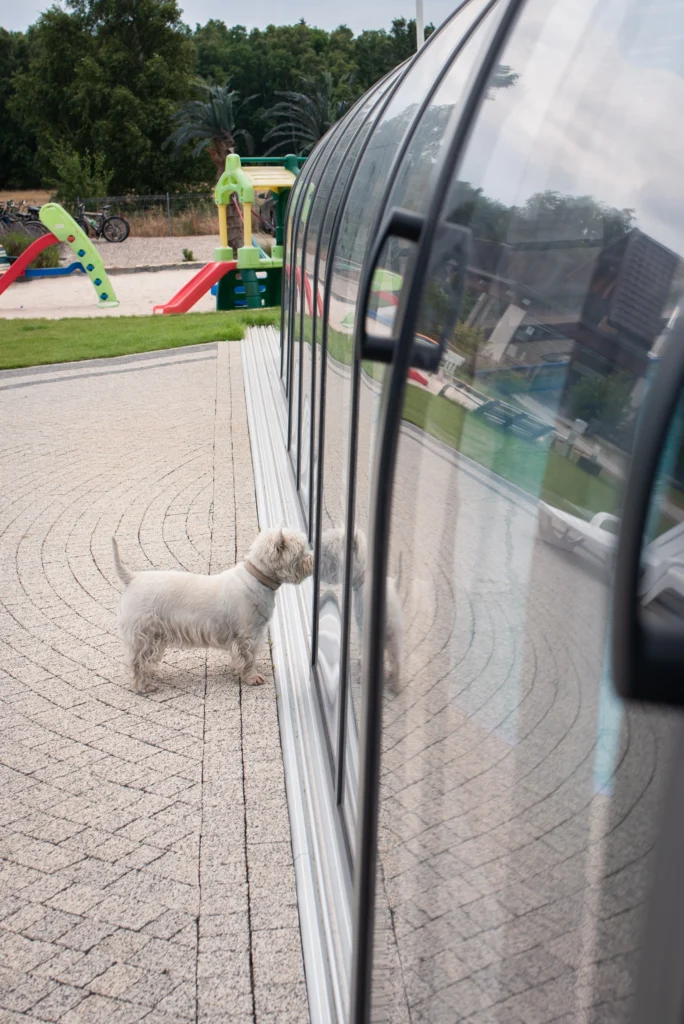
{"points": [[304, 117], [210, 124]]}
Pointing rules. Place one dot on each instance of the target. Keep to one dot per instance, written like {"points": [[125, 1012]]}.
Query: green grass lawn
{"points": [[32, 342], [529, 465]]}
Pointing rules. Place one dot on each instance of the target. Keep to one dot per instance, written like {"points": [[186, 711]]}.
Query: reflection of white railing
{"points": [[563, 530], [662, 559]]}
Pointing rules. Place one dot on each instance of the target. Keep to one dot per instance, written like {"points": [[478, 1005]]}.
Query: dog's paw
{"points": [[255, 679], [145, 688]]}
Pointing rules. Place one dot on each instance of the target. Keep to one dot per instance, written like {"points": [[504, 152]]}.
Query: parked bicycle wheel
{"points": [[34, 228], [84, 225], [116, 229]]}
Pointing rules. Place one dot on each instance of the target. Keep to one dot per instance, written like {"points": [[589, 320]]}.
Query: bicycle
{"points": [[21, 218], [113, 228]]}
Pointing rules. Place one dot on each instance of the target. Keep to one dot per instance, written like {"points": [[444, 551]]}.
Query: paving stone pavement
{"points": [[145, 859]]}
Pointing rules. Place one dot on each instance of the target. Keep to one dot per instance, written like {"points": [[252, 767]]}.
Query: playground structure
{"points": [[62, 228], [249, 278]]}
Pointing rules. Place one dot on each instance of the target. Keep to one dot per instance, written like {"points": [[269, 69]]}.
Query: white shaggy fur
{"points": [[331, 571], [229, 610]]}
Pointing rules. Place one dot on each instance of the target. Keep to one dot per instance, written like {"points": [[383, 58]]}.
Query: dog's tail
{"points": [[124, 574]]}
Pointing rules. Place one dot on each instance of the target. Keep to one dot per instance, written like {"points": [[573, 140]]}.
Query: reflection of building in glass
{"points": [[556, 311]]}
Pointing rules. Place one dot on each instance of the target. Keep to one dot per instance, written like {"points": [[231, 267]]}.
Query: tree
{"points": [[105, 76], [211, 125], [304, 117], [272, 60], [377, 51], [17, 142]]}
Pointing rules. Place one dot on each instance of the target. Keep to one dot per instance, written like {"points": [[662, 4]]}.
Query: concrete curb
{"points": [[195, 265]]}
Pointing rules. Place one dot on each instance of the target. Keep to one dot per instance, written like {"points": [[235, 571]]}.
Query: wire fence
{"points": [[171, 213]]}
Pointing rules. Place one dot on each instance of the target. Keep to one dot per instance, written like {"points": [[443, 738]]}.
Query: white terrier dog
{"points": [[331, 571], [230, 610]]}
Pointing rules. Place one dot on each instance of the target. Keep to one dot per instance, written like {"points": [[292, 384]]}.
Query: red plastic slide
{"points": [[20, 264], [196, 287], [308, 293]]}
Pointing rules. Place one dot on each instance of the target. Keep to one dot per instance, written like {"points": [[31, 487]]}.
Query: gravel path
{"points": [[143, 252], [154, 252]]}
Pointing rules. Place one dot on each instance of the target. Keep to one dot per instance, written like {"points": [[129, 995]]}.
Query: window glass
{"points": [[519, 797], [288, 276], [421, 145], [300, 214], [343, 148], [360, 208]]}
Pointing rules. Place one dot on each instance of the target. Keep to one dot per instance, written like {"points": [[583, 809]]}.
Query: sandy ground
{"points": [[55, 298]]}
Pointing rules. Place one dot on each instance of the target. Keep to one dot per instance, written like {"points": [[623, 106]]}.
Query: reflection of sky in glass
{"points": [[610, 715], [422, 75], [599, 84]]}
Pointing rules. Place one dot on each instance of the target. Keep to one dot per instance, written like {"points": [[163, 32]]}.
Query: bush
{"points": [[78, 174], [16, 242], [188, 256]]}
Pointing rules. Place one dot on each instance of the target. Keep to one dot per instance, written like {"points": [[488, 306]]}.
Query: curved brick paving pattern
{"points": [[146, 867], [519, 805], [518, 808]]}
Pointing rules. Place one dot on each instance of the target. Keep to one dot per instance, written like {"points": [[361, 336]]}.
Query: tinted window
{"points": [[520, 799]]}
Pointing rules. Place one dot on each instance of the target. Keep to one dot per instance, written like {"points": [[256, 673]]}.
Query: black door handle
{"points": [[449, 258], [399, 223], [648, 658]]}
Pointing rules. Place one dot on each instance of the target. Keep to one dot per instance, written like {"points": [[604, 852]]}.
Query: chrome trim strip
{"points": [[324, 884]]}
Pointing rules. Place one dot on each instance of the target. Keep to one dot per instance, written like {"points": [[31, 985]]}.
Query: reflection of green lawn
{"points": [[527, 464]]}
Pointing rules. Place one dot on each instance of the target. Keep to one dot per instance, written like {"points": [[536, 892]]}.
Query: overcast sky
{"points": [[358, 14]]}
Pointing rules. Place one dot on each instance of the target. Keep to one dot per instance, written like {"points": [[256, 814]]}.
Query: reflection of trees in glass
{"points": [[548, 244], [572, 217], [603, 399], [503, 77], [546, 216]]}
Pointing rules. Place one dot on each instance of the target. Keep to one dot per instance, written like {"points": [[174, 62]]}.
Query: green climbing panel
{"points": [[65, 229]]}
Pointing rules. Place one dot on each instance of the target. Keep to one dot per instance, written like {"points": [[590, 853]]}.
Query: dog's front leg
{"points": [[242, 652]]}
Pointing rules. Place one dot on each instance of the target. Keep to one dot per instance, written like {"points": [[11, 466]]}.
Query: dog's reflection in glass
{"points": [[331, 571]]}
